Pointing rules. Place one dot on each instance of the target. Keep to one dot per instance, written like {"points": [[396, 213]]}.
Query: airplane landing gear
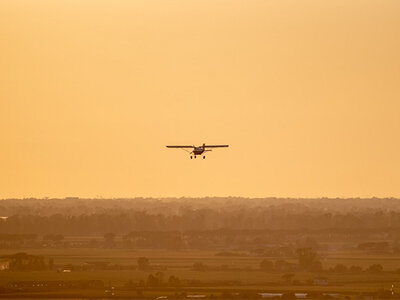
{"points": [[191, 157], [195, 156], [204, 157]]}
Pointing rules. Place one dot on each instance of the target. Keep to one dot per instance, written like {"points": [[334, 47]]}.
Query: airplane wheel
{"points": [[195, 156], [191, 157], [204, 157]]}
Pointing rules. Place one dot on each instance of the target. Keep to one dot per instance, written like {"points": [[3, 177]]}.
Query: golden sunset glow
{"points": [[306, 93]]}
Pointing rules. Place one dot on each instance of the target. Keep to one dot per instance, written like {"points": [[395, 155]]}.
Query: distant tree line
{"points": [[26, 262], [262, 243], [201, 221], [73, 206]]}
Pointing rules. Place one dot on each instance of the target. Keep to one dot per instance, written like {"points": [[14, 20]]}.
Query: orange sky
{"points": [[307, 93]]}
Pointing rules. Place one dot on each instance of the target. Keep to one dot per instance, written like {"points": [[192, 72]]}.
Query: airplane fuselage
{"points": [[198, 150]]}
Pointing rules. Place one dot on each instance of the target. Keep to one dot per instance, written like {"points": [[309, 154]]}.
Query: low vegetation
{"points": [[127, 255]]}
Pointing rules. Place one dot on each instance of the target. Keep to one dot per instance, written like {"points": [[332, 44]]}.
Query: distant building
{"points": [[56, 284], [321, 281], [270, 295]]}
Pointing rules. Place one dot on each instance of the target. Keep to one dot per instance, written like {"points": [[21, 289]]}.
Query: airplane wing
{"points": [[215, 146], [185, 146]]}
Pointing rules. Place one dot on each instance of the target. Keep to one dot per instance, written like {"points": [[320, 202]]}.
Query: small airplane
{"points": [[198, 150]]}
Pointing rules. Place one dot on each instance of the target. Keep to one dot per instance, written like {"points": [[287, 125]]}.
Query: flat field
{"points": [[223, 273]]}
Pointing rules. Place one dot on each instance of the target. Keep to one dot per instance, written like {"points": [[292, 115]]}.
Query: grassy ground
{"points": [[179, 264]]}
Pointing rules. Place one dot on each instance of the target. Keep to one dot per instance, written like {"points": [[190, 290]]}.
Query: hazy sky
{"points": [[307, 93]]}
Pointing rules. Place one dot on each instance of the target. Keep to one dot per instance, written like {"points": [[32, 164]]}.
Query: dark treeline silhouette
{"points": [[278, 243], [177, 206], [200, 220], [72, 216], [26, 262]]}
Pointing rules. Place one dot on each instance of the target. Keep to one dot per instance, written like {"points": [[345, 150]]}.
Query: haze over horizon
{"points": [[306, 93]]}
